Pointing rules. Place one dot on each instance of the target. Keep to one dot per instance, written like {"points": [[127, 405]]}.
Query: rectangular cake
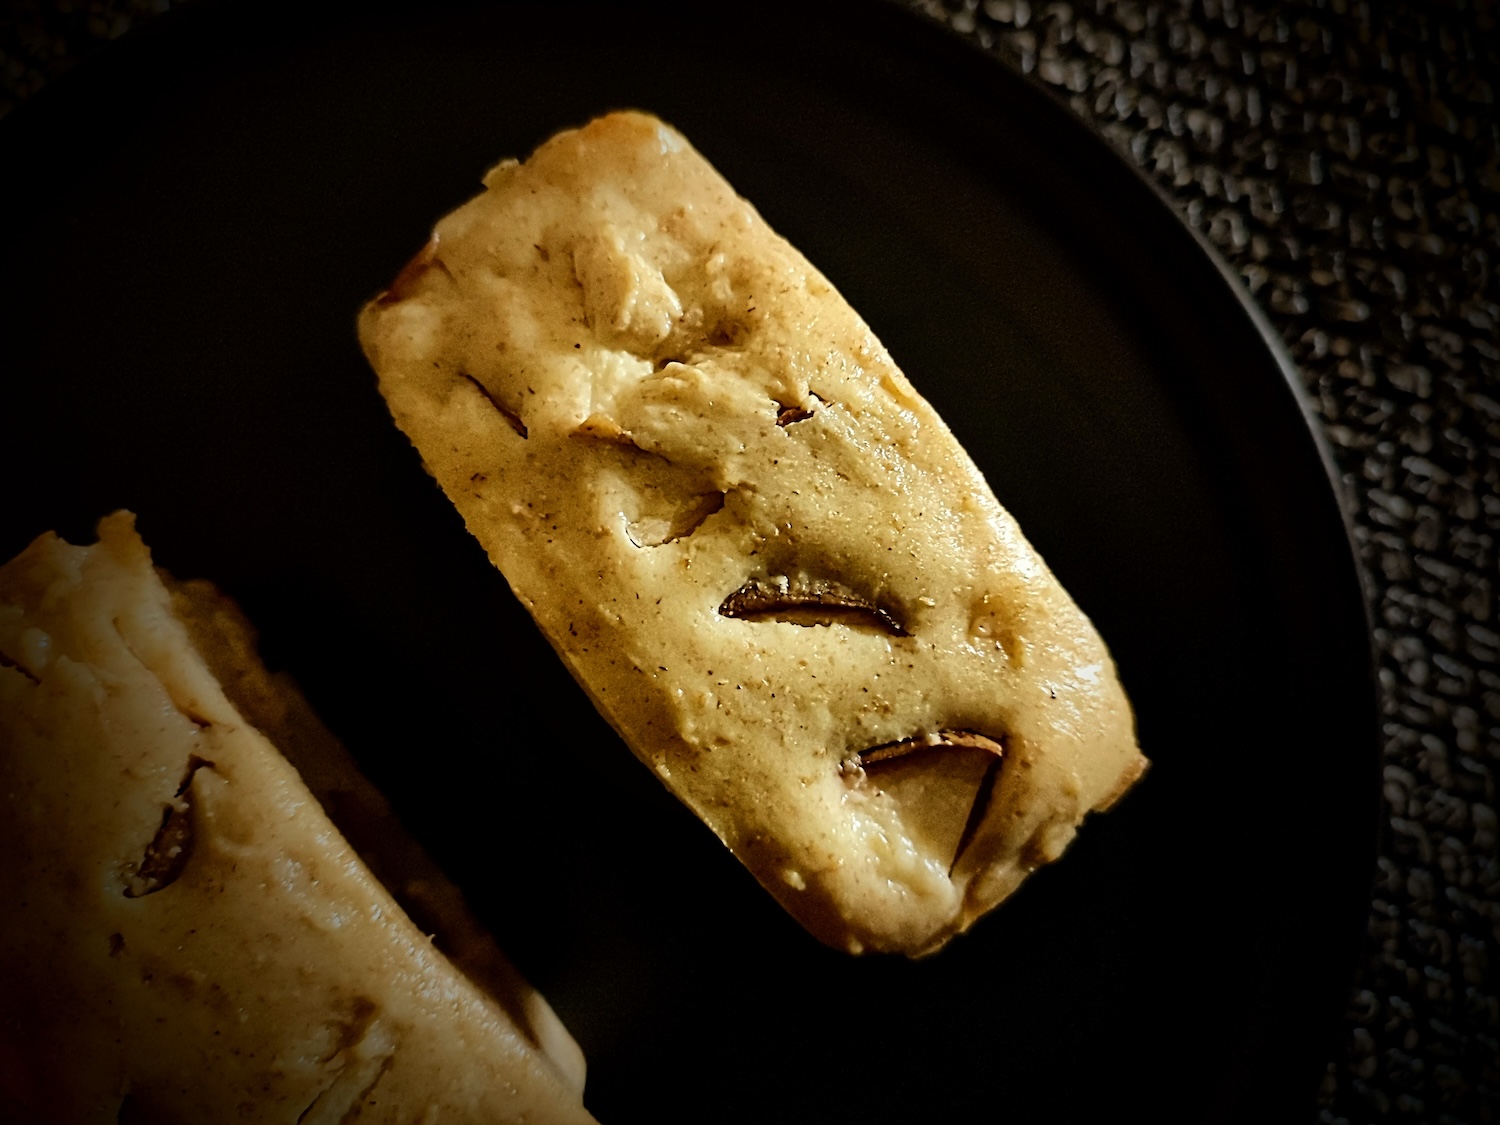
{"points": [[757, 548]]}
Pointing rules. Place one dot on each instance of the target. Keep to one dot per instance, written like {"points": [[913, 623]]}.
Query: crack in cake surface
{"points": [[808, 601], [942, 783], [167, 855]]}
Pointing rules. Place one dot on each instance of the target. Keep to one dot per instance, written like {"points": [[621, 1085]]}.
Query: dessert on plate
{"points": [[758, 549]]}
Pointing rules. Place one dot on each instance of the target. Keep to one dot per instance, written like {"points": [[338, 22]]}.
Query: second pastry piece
{"points": [[758, 549], [187, 937]]}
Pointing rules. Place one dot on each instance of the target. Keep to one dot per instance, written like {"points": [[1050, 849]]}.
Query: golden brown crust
{"points": [[753, 543]]}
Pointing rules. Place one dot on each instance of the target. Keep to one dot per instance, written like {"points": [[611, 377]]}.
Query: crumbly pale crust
{"points": [[758, 549], [187, 937]]}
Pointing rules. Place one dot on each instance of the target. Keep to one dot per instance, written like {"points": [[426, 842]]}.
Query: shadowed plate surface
{"points": [[192, 225]]}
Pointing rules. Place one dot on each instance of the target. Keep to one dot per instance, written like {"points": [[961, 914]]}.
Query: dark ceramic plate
{"points": [[189, 227]]}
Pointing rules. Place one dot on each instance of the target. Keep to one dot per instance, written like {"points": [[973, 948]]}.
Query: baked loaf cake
{"points": [[185, 936], [759, 550]]}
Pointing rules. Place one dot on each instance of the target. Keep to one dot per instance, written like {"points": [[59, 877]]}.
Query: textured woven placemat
{"points": [[1345, 157]]}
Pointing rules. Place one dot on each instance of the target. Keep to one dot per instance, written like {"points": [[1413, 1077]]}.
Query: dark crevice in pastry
{"points": [[942, 785], [170, 849], [983, 795], [7, 662], [504, 411], [786, 415], [808, 601]]}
